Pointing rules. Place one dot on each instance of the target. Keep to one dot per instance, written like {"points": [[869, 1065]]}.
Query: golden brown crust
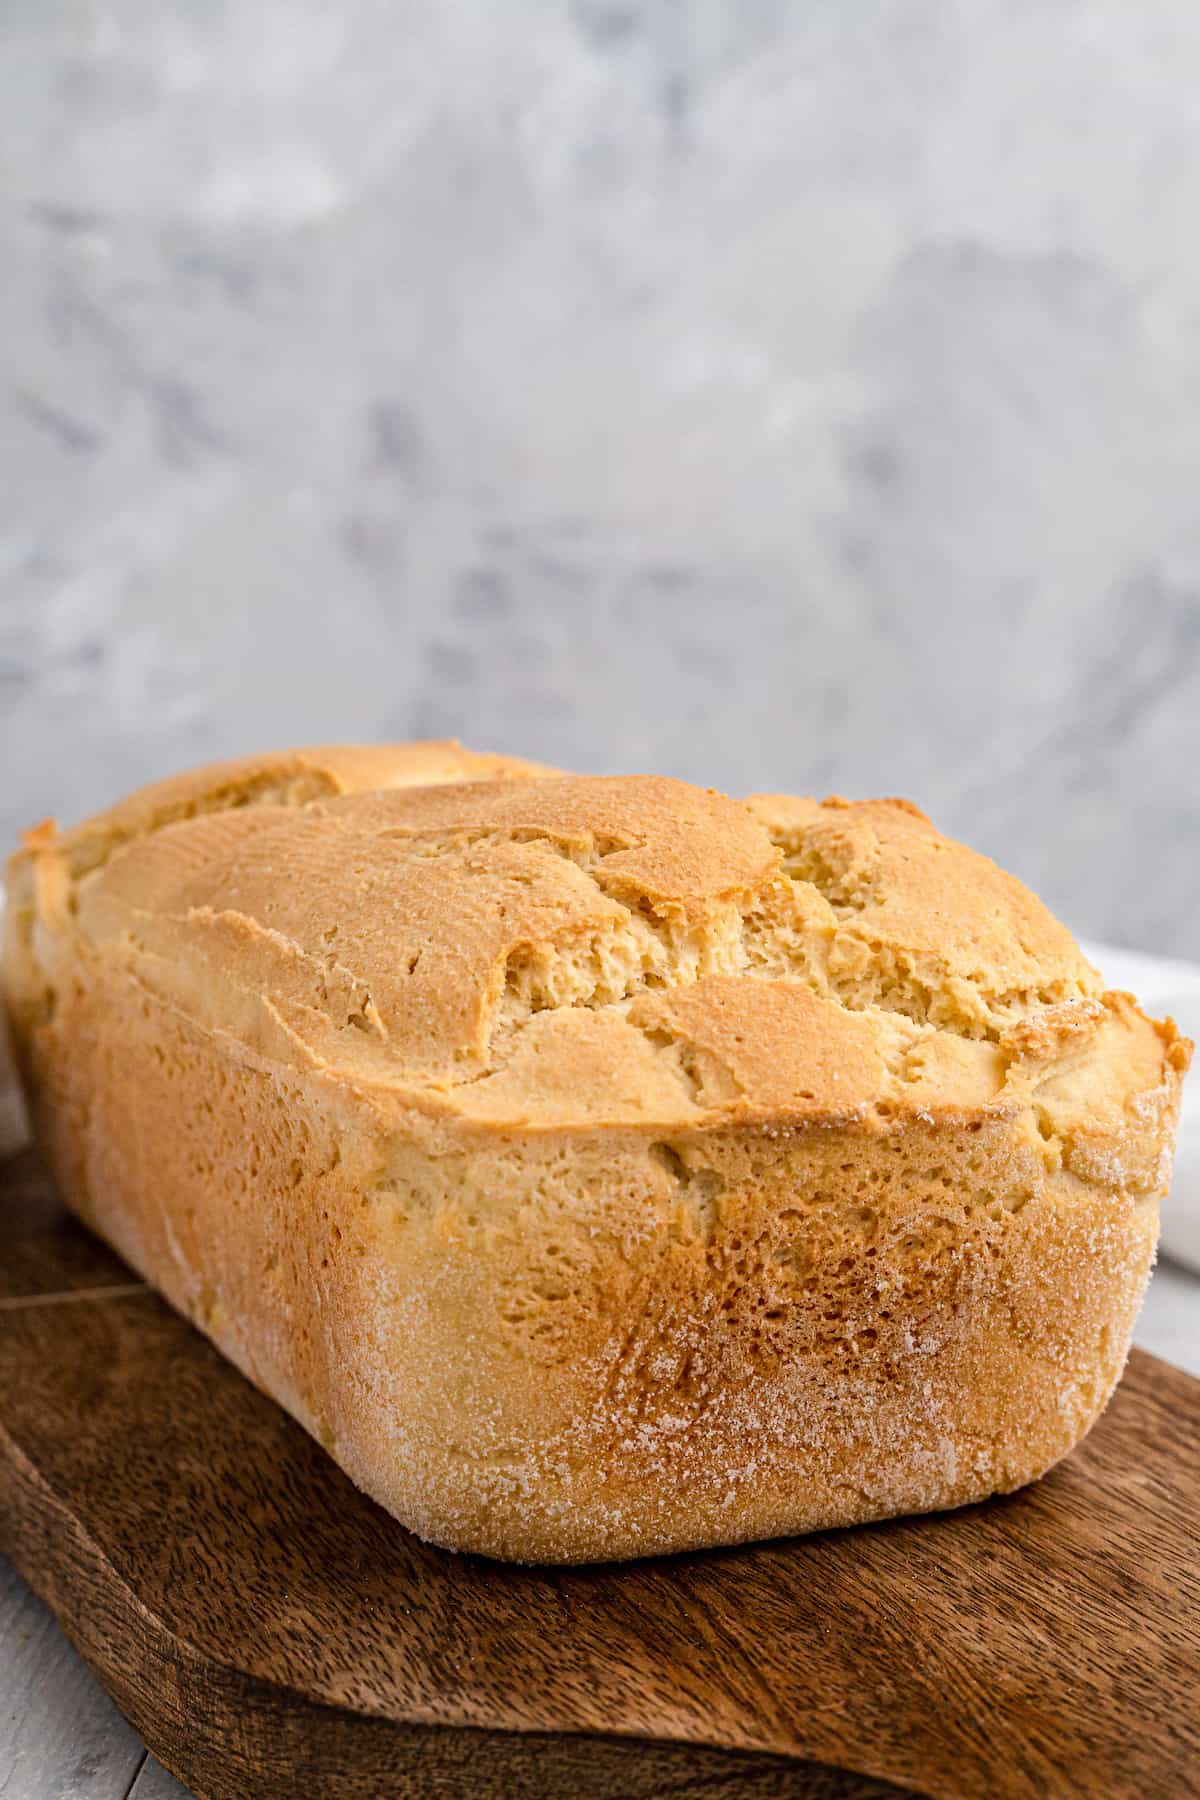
{"points": [[600, 1165]]}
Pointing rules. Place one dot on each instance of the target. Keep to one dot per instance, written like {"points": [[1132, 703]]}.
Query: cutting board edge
{"points": [[69, 1572]]}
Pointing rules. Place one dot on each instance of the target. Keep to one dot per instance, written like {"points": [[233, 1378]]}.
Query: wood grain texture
{"points": [[270, 1631]]}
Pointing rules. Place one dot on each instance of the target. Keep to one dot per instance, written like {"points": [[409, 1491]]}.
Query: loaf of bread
{"points": [[598, 1166]]}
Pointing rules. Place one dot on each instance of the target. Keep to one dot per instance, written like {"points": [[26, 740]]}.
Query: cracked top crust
{"points": [[482, 937]]}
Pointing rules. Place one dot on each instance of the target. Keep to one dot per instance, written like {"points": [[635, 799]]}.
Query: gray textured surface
{"points": [[154, 1783], [61, 1737], [774, 395]]}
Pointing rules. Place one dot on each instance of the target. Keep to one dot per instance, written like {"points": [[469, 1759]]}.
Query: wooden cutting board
{"points": [[270, 1632]]}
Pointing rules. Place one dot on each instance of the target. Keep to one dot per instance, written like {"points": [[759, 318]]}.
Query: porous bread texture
{"points": [[599, 1166]]}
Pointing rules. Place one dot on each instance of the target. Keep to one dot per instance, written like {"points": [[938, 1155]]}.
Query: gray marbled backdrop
{"points": [[779, 395]]}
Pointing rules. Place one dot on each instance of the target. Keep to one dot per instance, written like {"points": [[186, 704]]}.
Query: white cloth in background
{"points": [[1162, 986]]}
